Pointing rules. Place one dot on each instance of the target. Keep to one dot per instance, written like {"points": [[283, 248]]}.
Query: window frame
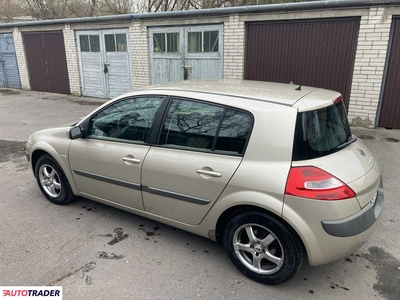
{"points": [[165, 31], [114, 34], [156, 138], [201, 29]]}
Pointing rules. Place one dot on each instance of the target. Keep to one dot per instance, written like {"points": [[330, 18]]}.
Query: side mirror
{"points": [[75, 132]]}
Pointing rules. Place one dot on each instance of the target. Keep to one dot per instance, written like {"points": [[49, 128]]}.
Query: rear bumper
{"points": [[359, 222], [331, 230]]}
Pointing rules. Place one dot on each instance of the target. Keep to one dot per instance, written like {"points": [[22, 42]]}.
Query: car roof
{"points": [[279, 93]]}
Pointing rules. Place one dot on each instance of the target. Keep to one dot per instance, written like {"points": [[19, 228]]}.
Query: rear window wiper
{"points": [[350, 140]]}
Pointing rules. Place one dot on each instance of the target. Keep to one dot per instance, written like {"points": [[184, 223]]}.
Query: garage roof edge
{"points": [[296, 6]]}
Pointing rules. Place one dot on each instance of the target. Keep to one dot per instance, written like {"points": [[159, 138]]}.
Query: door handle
{"points": [[209, 173], [131, 160]]}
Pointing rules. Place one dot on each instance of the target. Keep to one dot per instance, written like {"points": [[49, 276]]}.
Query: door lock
{"points": [[105, 70]]}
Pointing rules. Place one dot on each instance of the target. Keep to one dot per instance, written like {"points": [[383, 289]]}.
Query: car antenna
{"points": [[312, 65]]}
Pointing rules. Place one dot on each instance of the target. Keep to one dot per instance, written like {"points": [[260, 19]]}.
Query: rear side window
{"points": [[199, 126], [235, 129], [320, 132]]}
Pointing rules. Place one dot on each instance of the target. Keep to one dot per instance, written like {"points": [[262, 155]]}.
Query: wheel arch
{"points": [[46, 149], [233, 211]]}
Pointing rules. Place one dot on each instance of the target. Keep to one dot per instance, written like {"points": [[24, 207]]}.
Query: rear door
{"points": [[200, 147], [107, 164]]}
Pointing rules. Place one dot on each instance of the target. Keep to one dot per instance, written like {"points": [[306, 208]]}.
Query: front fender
{"points": [[56, 143]]}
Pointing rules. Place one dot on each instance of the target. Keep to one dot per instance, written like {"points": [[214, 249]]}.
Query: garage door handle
{"points": [[131, 160], [209, 173]]}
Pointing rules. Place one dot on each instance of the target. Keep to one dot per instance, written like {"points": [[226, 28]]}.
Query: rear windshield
{"points": [[320, 132]]}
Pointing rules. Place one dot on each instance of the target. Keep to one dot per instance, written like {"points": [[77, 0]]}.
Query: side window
{"points": [[126, 120], [234, 132], [199, 126], [190, 124]]}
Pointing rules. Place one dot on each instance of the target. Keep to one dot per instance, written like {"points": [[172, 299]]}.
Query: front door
{"points": [[107, 164], [186, 53], [200, 147], [104, 62], [9, 74]]}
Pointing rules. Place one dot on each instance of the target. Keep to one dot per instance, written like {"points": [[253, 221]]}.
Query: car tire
{"points": [[262, 247], [52, 181]]}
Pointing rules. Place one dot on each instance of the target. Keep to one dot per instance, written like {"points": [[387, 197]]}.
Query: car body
{"points": [[269, 170]]}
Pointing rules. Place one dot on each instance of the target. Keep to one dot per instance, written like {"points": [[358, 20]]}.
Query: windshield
{"points": [[321, 132]]}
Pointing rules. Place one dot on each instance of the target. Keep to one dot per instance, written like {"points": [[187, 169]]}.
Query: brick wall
{"points": [[234, 34], [21, 60], [369, 67], [71, 53], [139, 47]]}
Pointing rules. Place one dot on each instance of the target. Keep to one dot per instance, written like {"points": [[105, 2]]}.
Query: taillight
{"points": [[314, 183]]}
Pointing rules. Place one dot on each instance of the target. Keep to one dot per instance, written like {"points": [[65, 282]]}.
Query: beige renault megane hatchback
{"points": [[270, 171]]}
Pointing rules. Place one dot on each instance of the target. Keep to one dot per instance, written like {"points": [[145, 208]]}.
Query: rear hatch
{"points": [[323, 139]]}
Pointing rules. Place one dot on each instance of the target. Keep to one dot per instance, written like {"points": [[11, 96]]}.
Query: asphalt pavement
{"points": [[98, 252]]}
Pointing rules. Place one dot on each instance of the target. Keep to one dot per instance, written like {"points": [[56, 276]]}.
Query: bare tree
{"points": [[57, 9], [48, 9], [10, 10], [118, 6], [84, 8]]}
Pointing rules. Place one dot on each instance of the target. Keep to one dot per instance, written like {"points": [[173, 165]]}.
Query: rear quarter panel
{"points": [[261, 177]]}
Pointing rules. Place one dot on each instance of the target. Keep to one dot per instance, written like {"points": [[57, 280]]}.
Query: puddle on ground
{"points": [[9, 92], [365, 137], [387, 272], [392, 140], [118, 236], [93, 103], [11, 150]]}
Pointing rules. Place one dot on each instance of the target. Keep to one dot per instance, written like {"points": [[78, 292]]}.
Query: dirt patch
{"points": [[11, 150], [86, 272], [392, 140], [365, 137], [9, 92], [80, 102], [105, 255]]}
